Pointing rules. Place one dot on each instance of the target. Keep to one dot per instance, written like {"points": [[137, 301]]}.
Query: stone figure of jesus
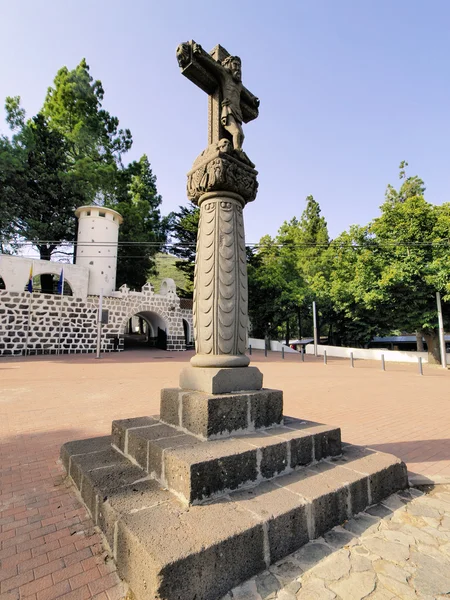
{"points": [[220, 74]]}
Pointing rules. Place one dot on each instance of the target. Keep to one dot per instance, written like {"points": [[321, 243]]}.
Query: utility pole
{"points": [[315, 327], [99, 323], [441, 331]]}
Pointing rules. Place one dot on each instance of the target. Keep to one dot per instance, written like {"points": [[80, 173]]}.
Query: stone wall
{"points": [[46, 324]]}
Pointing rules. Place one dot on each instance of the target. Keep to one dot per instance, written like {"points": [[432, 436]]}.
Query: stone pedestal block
{"points": [[216, 380], [211, 416]]}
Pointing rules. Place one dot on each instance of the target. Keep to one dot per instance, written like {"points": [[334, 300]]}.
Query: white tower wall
{"points": [[98, 233]]}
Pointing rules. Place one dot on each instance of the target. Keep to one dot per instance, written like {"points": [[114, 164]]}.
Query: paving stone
{"points": [[399, 537], [311, 554], [421, 509], [433, 573], [246, 591], [360, 563], [362, 524], [381, 593], [378, 510], [355, 587], [388, 550], [401, 590], [267, 585], [286, 571], [333, 567], [390, 570], [338, 537], [314, 589]]}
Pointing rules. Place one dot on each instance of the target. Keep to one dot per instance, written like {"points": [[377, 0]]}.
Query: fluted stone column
{"points": [[221, 182], [220, 285]]}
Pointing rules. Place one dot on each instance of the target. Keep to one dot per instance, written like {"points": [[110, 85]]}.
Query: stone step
{"points": [[167, 550], [197, 470]]}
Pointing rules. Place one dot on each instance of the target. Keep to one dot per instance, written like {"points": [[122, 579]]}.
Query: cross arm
{"points": [[249, 105], [199, 66]]}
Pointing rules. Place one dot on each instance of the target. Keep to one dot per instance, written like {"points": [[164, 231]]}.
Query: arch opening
{"points": [[48, 283], [2, 283], [187, 335], [145, 330]]}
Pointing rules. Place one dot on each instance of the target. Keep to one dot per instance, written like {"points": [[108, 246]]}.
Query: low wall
{"points": [[274, 345], [370, 353], [342, 352]]}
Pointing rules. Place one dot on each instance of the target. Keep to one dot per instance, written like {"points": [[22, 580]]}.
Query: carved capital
{"points": [[220, 168]]}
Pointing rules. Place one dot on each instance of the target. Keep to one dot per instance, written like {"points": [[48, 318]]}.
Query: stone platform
{"points": [[193, 507]]}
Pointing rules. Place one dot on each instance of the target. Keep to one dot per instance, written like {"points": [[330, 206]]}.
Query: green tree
{"points": [[384, 277], [73, 108], [183, 225], [143, 231]]}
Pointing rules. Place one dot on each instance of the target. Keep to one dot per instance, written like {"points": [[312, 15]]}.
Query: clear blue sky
{"points": [[348, 89]]}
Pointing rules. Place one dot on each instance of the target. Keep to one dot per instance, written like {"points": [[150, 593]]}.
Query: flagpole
{"points": [[58, 351], [30, 289]]}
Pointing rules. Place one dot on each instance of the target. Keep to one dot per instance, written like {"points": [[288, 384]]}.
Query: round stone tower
{"points": [[98, 233]]}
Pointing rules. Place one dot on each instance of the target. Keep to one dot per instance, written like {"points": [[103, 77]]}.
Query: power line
{"points": [[334, 244]]}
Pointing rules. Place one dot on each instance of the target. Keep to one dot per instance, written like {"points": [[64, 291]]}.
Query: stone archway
{"points": [[152, 335]]}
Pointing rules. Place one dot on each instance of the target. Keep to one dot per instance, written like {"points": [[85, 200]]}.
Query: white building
{"points": [[35, 323]]}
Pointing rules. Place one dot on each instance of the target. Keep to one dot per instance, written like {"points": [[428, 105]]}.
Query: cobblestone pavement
{"points": [[397, 549]]}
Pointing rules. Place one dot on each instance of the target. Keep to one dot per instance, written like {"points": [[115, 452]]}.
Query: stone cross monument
{"points": [[220, 485], [221, 182]]}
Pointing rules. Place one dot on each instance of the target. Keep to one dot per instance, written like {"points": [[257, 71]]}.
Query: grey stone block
{"points": [[328, 499], [213, 415], [138, 440], [327, 443], [115, 503], [83, 463], [215, 380], [283, 512], [156, 449], [119, 429], [170, 552], [202, 470], [83, 447], [208, 415], [170, 406], [387, 473], [100, 482], [266, 408]]}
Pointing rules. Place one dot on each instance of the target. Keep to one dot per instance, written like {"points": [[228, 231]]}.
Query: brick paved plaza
{"points": [[48, 546]]}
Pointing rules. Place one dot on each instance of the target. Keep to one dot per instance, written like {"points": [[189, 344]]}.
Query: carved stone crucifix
{"points": [[221, 182], [219, 75]]}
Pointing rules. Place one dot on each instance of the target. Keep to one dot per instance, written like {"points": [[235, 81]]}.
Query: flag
{"points": [[30, 280], [61, 283]]}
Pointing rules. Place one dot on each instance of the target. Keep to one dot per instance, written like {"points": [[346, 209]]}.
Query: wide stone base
{"points": [[166, 549]]}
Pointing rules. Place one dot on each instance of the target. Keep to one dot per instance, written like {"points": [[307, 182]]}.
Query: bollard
{"points": [[265, 350], [420, 366], [250, 349], [351, 360], [324, 357], [383, 366], [282, 351], [303, 354]]}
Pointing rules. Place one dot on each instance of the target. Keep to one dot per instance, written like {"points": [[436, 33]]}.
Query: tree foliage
{"points": [[183, 226], [68, 155], [143, 231]]}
